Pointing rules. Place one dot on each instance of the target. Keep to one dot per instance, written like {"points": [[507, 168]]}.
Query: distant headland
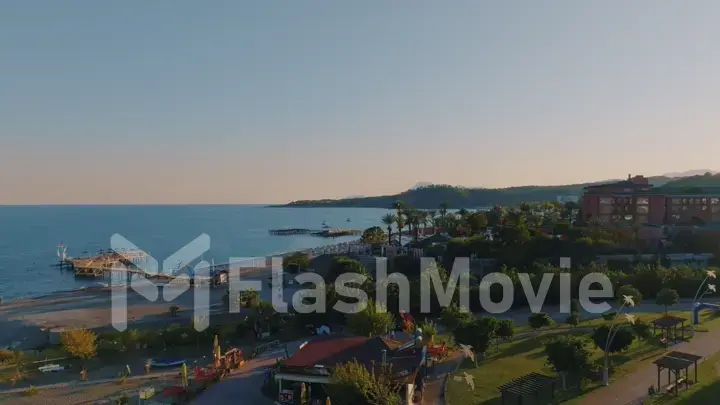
{"points": [[431, 196]]}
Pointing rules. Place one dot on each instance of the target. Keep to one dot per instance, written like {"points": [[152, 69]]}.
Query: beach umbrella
{"points": [[184, 374], [216, 348]]}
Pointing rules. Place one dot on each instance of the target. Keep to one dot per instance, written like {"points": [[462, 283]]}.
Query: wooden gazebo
{"points": [[530, 385], [668, 324], [675, 363]]}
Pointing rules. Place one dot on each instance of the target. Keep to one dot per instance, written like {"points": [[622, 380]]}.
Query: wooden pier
{"points": [[290, 231], [322, 233], [107, 263]]}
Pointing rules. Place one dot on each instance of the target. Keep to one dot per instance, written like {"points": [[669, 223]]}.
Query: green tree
{"points": [[478, 333], [642, 330], [477, 221], [453, 316], [389, 220], [667, 297], [80, 343], [540, 320], [400, 223], [622, 339], [573, 320], [373, 235], [296, 261], [495, 216], [568, 355], [353, 384], [629, 291], [342, 265], [371, 321], [505, 329]]}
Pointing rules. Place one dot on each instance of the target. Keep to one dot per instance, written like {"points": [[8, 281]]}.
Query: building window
{"points": [[684, 200], [675, 208], [606, 200], [628, 217], [684, 208], [715, 201], [676, 201], [642, 219], [606, 209], [675, 216], [704, 207], [643, 209], [605, 219], [704, 200], [642, 201]]}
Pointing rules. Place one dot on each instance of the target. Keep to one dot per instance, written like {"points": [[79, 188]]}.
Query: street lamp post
{"points": [[627, 302]]}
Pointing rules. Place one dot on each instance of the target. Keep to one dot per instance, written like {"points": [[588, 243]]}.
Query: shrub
{"points": [[573, 320], [80, 343], [31, 391], [609, 316], [6, 355]]}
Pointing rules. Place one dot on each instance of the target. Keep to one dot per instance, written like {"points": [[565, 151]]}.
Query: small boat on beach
{"points": [[167, 362], [51, 368]]}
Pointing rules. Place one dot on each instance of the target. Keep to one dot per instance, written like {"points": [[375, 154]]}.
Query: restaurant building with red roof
{"points": [[313, 364]]}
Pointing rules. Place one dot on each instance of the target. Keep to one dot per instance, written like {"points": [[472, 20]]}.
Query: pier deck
{"points": [[323, 233]]}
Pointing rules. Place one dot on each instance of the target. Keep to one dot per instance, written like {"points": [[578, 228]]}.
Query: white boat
{"points": [[50, 368]]}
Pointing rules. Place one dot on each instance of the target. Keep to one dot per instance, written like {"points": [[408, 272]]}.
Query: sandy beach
{"points": [[30, 320]]}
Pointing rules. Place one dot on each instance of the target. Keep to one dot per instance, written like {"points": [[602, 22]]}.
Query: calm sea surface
{"points": [[29, 236]]}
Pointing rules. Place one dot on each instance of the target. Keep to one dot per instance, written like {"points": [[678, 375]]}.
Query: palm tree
{"points": [[414, 222], [423, 220], [443, 211], [399, 206], [389, 219], [431, 214], [400, 223]]}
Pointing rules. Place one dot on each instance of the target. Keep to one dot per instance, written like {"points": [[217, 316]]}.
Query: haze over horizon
{"points": [[235, 102]]}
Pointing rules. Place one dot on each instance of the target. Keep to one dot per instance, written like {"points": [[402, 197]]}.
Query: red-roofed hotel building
{"points": [[636, 202]]}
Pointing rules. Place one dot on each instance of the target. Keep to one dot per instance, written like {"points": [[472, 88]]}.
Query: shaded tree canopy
{"points": [[622, 340]]}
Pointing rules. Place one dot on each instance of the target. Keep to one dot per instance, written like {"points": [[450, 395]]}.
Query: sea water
{"points": [[29, 236]]}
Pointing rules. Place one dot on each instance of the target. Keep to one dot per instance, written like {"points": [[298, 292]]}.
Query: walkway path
{"points": [[435, 388], [244, 385], [634, 386]]}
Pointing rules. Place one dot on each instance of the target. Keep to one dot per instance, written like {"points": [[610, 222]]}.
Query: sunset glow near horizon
{"points": [[268, 102]]}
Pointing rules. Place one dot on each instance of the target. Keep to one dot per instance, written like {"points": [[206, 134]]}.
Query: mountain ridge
{"points": [[429, 196]]}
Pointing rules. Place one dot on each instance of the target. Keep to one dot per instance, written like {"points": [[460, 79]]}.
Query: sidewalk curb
{"points": [[443, 390]]}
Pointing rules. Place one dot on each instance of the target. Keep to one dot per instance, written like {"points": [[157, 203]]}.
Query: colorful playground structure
{"points": [[699, 306], [202, 377]]}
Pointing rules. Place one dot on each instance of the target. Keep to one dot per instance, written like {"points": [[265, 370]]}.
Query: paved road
{"points": [[635, 385], [244, 386]]}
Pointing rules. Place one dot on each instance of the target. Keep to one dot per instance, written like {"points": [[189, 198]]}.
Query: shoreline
{"points": [[332, 248]]}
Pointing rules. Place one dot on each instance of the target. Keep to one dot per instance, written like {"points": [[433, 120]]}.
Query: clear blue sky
{"points": [[269, 101]]}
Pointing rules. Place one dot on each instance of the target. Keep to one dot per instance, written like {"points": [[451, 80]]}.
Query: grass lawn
{"points": [[524, 356], [707, 319], [527, 355]]}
